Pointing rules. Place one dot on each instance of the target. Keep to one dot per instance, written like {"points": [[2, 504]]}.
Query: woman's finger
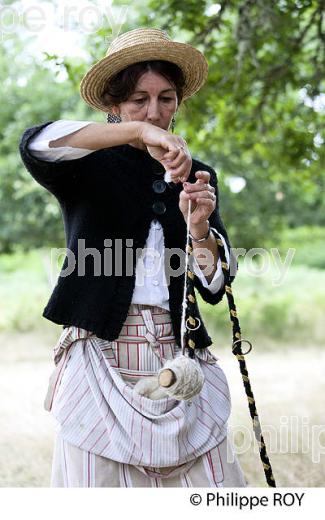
{"points": [[184, 203], [202, 175], [201, 193], [200, 197], [171, 155], [182, 171], [174, 147], [205, 200], [198, 186], [178, 160]]}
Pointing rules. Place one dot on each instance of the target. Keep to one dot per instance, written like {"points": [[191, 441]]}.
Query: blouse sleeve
{"points": [[39, 145]]}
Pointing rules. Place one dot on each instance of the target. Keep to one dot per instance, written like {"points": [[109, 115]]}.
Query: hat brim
{"points": [[190, 60]]}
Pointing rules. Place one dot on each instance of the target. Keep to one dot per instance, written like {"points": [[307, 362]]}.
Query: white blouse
{"points": [[150, 285]]}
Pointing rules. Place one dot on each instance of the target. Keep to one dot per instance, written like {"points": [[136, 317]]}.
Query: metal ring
{"points": [[189, 328], [243, 341]]}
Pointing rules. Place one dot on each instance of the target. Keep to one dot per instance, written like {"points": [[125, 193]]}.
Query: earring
{"points": [[173, 124], [112, 118]]}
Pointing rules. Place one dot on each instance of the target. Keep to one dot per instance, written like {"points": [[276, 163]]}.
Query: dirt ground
{"points": [[289, 388]]}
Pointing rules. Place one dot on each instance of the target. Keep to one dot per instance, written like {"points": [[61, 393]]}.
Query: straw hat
{"points": [[143, 44]]}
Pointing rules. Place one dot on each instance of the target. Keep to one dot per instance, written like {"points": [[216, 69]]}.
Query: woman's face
{"points": [[154, 101]]}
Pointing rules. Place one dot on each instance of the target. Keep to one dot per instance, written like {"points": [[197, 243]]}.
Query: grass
{"points": [[286, 366]]}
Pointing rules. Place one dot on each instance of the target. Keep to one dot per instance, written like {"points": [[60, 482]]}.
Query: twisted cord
{"points": [[237, 351]]}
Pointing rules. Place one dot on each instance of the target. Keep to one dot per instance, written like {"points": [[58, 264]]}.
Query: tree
{"points": [[260, 115]]}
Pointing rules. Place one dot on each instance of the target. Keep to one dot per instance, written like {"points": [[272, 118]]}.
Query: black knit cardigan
{"points": [[109, 194]]}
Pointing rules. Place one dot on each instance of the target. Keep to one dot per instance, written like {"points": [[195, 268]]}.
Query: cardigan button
{"points": [[159, 186], [159, 207]]}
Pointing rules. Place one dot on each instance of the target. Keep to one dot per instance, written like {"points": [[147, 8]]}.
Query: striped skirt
{"points": [[110, 436]]}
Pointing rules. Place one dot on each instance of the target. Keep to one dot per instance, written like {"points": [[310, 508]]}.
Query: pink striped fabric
{"points": [[91, 396], [73, 467]]}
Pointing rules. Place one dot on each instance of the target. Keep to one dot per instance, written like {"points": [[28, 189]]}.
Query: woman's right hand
{"points": [[169, 149]]}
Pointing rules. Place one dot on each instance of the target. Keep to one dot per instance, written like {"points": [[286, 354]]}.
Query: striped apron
{"points": [[110, 436]]}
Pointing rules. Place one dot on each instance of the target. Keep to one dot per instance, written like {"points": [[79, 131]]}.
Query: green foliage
{"points": [[259, 116], [30, 216], [309, 243]]}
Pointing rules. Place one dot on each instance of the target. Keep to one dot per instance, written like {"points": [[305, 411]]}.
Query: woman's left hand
{"points": [[202, 196]]}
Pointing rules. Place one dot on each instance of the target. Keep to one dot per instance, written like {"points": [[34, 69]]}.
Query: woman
{"points": [[122, 312]]}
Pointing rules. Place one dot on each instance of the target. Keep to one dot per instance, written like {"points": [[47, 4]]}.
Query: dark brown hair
{"points": [[123, 84]]}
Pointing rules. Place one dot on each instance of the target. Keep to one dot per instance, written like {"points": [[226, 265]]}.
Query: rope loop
{"points": [[193, 328], [238, 348]]}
